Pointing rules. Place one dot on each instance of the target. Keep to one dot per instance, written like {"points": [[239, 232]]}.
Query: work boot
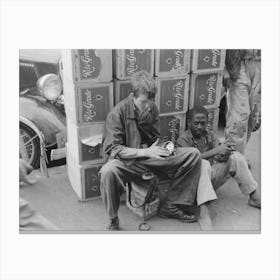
{"points": [[114, 224], [172, 211]]}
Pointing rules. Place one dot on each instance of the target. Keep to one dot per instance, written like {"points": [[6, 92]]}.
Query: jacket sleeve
{"points": [[114, 134]]}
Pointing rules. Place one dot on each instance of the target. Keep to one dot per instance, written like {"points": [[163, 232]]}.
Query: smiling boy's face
{"points": [[198, 124]]}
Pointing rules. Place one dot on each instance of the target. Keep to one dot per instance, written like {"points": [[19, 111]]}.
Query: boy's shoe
{"points": [[172, 211]]}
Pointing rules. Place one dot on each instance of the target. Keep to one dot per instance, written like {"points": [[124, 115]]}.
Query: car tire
{"points": [[32, 155]]}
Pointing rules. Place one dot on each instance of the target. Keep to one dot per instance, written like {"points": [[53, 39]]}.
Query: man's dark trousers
{"points": [[184, 165]]}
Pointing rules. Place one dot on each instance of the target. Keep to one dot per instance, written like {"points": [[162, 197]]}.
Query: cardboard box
{"points": [[205, 89], [85, 142], [84, 178], [171, 126], [129, 61], [88, 103], [207, 60], [172, 95], [87, 65], [122, 90], [172, 62], [213, 119]]}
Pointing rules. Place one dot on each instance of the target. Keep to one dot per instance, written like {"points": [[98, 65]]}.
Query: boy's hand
{"points": [[156, 152]]}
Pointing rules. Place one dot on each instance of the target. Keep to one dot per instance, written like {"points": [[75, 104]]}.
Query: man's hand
{"points": [[225, 149], [156, 152]]}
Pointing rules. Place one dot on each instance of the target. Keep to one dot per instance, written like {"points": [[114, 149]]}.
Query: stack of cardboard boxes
{"points": [[206, 82], [184, 78], [88, 93], [171, 71]]}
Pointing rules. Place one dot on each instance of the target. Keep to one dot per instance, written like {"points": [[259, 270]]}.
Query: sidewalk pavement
{"points": [[54, 198]]}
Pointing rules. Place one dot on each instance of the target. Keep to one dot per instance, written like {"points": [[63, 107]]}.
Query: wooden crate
{"points": [[172, 62], [171, 126], [79, 139], [84, 178], [129, 61], [205, 89], [172, 95], [88, 103], [87, 65], [122, 90], [207, 60]]}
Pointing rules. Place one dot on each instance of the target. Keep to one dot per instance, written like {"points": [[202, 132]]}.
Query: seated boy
{"points": [[130, 141], [219, 160]]}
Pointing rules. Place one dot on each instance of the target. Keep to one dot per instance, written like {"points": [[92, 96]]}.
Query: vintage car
{"points": [[42, 123]]}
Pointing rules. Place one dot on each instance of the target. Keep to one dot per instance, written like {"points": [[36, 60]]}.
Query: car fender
{"points": [[32, 126], [44, 115]]}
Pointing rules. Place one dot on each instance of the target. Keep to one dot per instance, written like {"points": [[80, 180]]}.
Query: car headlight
{"points": [[49, 86]]}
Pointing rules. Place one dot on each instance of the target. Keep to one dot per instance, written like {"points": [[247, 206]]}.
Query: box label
{"points": [[171, 60], [172, 95], [212, 119], [170, 128], [94, 103], [89, 64], [209, 59], [92, 182], [136, 60], [205, 89]]}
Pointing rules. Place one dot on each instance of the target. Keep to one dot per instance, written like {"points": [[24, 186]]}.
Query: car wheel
{"points": [[29, 143]]}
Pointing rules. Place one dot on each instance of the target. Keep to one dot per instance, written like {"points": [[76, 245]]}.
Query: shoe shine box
{"points": [[84, 178], [87, 65], [138, 197]]}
